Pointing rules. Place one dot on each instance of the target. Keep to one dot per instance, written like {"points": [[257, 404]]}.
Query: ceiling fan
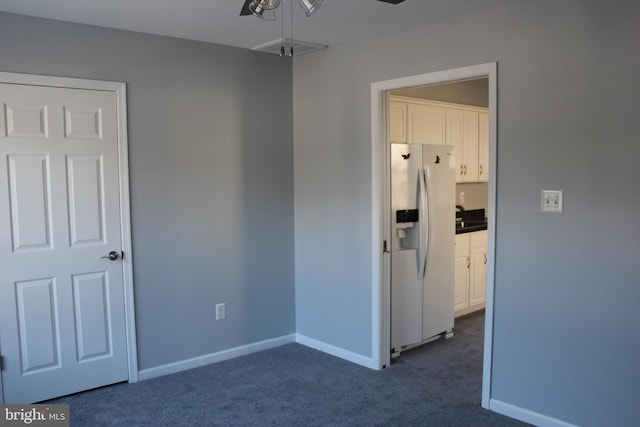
{"points": [[259, 7], [265, 10]]}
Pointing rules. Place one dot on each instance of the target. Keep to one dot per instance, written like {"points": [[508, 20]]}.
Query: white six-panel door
{"points": [[62, 305]]}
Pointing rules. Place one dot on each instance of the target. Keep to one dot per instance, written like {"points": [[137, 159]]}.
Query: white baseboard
{"points": [[337, 351], [231, 353], [526, 415], [219, 356]]}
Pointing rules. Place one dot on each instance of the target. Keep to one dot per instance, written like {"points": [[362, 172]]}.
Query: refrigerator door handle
{"points": [[424, 223]]}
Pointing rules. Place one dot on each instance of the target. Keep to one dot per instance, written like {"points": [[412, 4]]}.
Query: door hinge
{"points": [[1, 363], [122, 254], [385, 248]]}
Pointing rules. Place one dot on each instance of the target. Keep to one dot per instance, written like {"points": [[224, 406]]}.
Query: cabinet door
{"points": [[483, 147], [454, 138], [461, 293], [470, 146], [398, 122], [478, 269], [426, 124]]}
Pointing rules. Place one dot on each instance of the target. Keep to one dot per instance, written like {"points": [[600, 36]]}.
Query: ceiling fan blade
{"points": [[245, 8], [392, 1]]}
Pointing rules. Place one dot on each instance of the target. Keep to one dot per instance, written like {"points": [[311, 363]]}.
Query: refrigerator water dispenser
{"points": [[407, 230]]}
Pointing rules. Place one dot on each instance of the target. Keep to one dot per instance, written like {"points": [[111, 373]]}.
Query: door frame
{"points": [[381, 227], [123, 173]]}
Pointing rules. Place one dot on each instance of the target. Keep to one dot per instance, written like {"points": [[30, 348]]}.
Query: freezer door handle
{"points": [[424, 223]]}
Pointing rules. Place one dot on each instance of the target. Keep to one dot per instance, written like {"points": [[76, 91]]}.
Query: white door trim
{"points": [[380, 283], [123, 169]]}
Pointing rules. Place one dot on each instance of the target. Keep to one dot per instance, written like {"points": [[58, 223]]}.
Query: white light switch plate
{"points": [[551, 201], [221, 311]]}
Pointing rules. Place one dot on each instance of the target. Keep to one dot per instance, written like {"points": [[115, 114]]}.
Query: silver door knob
{"points": [[113, 255]]}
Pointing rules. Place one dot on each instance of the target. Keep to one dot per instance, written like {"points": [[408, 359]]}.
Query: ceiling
{"points": [[468, 92], [218, 21]]}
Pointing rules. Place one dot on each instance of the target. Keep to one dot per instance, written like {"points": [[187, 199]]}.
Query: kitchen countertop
{"points": [[470, 226], [470, 221]]}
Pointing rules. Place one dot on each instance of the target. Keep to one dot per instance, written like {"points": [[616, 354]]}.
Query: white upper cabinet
{"points": [[415, 121], [426, 124], [483, 146], [455, 124], [398, 122], [463, 133], [470, 150]]}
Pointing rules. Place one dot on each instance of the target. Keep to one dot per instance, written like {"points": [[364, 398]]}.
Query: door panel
{"points": [[85, 176], [29, 183], [62, 313], [26, 120], [37, 325], [90, 303]]}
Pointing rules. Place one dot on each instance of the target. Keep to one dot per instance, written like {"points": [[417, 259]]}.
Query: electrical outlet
{"points": [[551, 201], [221, 311]]}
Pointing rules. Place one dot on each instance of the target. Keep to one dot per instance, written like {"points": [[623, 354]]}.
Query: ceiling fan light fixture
{"points": [[265, 4], [310, 6], [264, 9]]}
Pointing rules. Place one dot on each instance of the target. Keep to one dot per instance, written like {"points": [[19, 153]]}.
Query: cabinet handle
{"points": [[485, 259], [465, 169], [481, 170], [468, 262]]}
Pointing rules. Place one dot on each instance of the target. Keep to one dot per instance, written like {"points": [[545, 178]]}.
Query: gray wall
{"points": [[567, 294], [211, 187]]}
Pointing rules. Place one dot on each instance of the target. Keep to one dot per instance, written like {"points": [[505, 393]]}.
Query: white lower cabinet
{"points": [[462, 263], [470, 272]]}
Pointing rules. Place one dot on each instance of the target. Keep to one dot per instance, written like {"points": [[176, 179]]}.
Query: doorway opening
{"points": [[430, 86]]}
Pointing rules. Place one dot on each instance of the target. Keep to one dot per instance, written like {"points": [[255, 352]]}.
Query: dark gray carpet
{"points": [[438, 384]]}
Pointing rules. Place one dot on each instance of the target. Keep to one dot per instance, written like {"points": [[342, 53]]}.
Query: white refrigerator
{"points": [[423, 244]]}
